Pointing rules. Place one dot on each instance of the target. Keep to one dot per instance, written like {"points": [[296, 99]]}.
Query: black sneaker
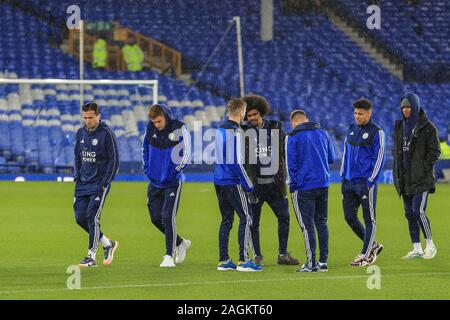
{"points": [[287, 259], [87, 263], [259, 260], [108, 253], [322, 267], [375, 251], [306, 268]]}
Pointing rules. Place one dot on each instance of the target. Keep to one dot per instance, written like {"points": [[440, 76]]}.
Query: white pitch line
{"points": [[180, 284]]}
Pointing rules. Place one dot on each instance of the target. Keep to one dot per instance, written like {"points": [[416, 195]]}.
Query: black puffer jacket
{"points": [[424, 151], [280, 177]]}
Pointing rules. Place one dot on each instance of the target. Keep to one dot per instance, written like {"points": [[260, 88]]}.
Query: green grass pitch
{"points": [[40, 240]]}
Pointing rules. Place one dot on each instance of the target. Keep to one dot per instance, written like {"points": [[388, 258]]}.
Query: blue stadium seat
{"points": [[310, 64]]}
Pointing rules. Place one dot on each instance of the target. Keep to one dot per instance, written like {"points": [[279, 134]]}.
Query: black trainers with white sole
{"points": [[375, 252], [87, 262], [108, 252]]}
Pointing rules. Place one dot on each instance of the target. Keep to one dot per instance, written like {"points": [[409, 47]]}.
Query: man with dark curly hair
{"points": [[268, 171]]}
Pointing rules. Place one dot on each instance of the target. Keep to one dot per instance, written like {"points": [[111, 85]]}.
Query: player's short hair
{"points": [[155, 111], [297, 113], [91, 106], [362, 103], [235, 106], [257, 102]]}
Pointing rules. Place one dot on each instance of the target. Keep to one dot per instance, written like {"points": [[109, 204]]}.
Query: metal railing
{"points": [[157, 55]]}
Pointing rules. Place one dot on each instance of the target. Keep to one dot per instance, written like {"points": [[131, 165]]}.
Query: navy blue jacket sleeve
{"points": [[344, 160], [77, 158], [113, 158]]}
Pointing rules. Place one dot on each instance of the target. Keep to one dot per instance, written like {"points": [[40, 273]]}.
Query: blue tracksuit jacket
{"points": [[229, 157], [309, 152], [96, 159], [165, 153], [364, 153]]}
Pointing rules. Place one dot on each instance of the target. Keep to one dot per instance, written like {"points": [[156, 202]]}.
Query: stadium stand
{"points": [[309, 64], [429, 42], [421, 38]]}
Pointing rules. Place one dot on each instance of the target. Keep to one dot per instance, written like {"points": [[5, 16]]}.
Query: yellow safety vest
{"points": [[133, 57], [445, 151], [100, 54]]}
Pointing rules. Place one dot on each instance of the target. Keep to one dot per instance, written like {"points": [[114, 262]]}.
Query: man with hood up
{"points": [[416, 147], [166, 151]]}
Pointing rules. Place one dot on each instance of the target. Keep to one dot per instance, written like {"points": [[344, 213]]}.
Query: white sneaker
{"points": [[413, 255], [181, 250], [167, 262], [360, 261], [429, 252]]}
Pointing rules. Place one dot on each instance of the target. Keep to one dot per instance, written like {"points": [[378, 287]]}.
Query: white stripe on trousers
{"points": [[247, 235], [423, 216], [97, 222], [174, 214], [374, 223], [240, 160], [302, 225]]}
